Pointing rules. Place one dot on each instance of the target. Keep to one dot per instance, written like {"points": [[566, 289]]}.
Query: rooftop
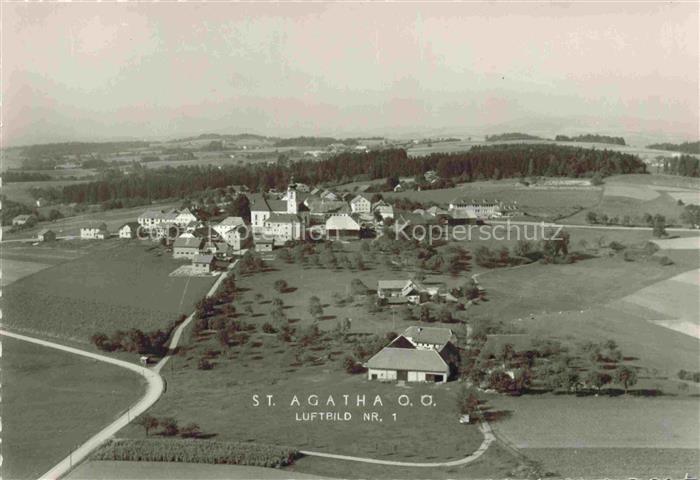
{"points": [[429, 335], [408, 359]]}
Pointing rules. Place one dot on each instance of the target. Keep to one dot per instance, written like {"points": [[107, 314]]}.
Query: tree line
{"points": [[685, 166], [481, 162], [593, 138], [685, 147]]}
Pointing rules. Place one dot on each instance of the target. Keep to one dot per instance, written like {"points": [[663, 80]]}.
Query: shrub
{"points": [[196, 451], [204, 364], [169, 426], [268, 328]]}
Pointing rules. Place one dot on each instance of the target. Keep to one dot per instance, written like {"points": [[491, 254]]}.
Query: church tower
{"points": [[292, 206]]}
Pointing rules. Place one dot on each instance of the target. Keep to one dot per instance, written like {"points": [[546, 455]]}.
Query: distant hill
{"points": [[80, 148], [685, 147], [227, 137], [592, 138], [505, 137]]}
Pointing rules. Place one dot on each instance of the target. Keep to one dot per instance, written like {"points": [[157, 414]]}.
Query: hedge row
{"points": [[196, 451]]}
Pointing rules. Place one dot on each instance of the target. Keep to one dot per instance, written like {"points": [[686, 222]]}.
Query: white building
{"points": [[463, 208], [129, 230], [360, 204], [94, 232], [283, 227], [227, 224]]}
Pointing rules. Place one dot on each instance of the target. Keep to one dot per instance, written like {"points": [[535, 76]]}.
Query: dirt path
{"points": [[484, 427]]}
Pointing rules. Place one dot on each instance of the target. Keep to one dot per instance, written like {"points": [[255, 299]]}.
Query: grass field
{"points": [[20, 260], [578, 436], [53, 401], [221, 402], [117, 285]]}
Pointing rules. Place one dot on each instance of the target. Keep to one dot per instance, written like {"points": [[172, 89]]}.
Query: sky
{"points": [[154, 71]]}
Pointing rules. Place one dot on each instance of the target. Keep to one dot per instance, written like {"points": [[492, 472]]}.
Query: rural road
{"points": [[154, 389], [153, 392], [484, 427]]}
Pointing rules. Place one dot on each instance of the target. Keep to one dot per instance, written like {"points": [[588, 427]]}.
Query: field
{"points": [[557, 430], [20, 260], [117, 285], [673, 303], [53, 401]]}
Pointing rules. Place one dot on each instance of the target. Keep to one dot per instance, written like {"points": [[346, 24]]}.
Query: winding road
{"points": [[154, 389]]}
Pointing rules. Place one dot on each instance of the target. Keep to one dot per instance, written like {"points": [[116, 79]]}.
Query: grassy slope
{"points": [[53, 401], [119, 284]]}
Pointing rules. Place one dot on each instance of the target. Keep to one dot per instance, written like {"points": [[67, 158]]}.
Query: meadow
{"points": [[53, 401], [117, 285], [592, 436]]}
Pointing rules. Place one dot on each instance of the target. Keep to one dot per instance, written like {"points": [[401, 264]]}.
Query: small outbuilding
{"points": [[46, 235]]}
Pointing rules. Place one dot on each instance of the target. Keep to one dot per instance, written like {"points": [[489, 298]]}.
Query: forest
{"points": [[685, 147], [479, 163], [592, 138], [505, 137]]}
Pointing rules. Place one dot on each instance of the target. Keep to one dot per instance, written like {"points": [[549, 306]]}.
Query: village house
{"points": [[361, 204], [411, 291], [202, 263], [420, 354], [94, 232], [129, 230], [383, 209], [283, 227], [342, 226], [187, 247], [238, 238], [263, 245], [465, 208], [46, 235], [227, 224], [184, 217], [21, 220]]}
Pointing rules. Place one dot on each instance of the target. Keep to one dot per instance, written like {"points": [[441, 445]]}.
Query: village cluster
{"points": [[300, 213]]}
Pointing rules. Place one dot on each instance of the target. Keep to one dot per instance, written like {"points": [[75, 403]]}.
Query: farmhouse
{"points": [[94, 232], [390, 288], [46, 235], [342, 226], [360, 204], [186, 247], [420, 354], [20, 220], [202, 263], [129, 230]]}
